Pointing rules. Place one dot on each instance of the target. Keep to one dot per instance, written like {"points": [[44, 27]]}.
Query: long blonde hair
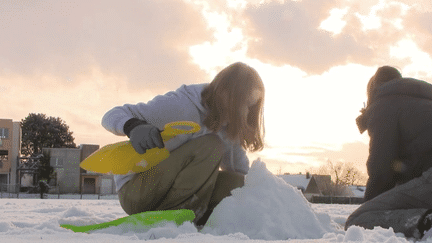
{"points": [[224, 97]]}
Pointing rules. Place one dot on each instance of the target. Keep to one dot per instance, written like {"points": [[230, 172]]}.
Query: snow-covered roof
{"points": [[296, 180]]}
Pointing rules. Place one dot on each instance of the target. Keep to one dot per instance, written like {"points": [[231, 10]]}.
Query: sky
{"points": [[78, 59]]}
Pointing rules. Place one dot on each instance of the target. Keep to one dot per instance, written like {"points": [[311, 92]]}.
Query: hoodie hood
{"points": [[404, 86], [193, 92], [398, 87]]}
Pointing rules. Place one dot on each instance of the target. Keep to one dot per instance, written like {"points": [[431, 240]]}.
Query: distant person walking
{"points": [[398, 118], [230, 113], [44, 187]]}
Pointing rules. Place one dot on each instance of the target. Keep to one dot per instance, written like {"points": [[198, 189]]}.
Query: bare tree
{"points": [[342, 173]]}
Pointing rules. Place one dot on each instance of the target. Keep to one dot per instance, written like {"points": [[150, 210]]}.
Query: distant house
{"points": [[70, 178], [315, 185], [10, 146], [299, 181], [319, 185]]}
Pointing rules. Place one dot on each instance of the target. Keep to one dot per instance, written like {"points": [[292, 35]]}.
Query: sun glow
{"points": [[229, 44]]}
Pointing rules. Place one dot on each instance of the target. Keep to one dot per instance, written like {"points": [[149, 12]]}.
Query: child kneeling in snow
{"points": [[230, 113], [398, 118]]}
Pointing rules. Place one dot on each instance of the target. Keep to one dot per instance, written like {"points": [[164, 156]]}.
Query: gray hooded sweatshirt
{"points": [[184, 104]]}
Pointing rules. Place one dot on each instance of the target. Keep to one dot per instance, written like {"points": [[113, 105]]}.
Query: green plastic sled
{"points": [[149, 219]]}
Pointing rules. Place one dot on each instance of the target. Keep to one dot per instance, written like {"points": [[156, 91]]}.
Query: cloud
{"points": [[80, 105], [418, 5], [288, 33], [144, 42], [419, 24]]}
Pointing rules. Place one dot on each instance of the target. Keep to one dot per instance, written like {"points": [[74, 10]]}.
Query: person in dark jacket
{"points": [[398, 118], [44, 187]]}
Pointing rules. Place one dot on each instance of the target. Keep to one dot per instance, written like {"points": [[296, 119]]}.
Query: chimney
{"points": [[307, 175]]}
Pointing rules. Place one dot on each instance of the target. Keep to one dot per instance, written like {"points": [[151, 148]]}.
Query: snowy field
{"points": [[266, 209]]}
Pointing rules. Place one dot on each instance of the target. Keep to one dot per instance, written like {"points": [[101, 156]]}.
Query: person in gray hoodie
{"points": [[398, 118], [205, 166]]}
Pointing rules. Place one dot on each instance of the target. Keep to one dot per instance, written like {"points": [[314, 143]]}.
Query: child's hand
{"points": [[143, 137]]}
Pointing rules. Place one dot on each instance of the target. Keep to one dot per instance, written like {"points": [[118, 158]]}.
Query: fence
{"points": [[13, 191], [336, 200], [9, 187]]}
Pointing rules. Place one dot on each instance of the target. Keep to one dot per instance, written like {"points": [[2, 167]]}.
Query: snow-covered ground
{"points": [[266, 209]]}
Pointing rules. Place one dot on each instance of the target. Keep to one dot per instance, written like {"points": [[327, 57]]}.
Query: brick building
{"points": [[10, 146]]}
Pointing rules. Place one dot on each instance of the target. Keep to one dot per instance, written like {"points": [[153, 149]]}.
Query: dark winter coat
{"points": [[43, 186], [399, 122]]}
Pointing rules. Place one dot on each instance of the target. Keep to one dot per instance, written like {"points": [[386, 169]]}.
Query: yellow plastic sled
{"points": [[121, 158]]}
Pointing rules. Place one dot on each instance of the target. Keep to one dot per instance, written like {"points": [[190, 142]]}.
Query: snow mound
{"points": [[79, 217], [359, 234], [354, 233], [266, 208], [75, 212]]}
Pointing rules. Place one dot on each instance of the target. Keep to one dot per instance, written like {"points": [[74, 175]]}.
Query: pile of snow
{"points": [[298, 181], [267, 208]]}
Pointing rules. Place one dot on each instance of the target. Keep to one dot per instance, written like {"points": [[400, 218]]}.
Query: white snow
{"points": [[266, 196], [266, 209], [296, 180]]}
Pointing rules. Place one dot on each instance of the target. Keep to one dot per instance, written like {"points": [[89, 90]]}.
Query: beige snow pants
{"points": [[188, 179], [401, 207]]}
